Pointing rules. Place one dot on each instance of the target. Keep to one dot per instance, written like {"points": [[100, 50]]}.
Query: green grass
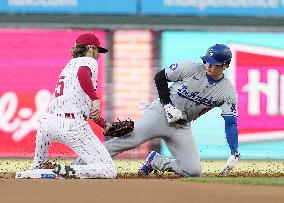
{"points": [[271, 181]]}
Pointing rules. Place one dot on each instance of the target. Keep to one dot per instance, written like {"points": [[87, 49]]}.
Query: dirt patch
{"points": [[129, 188], [174, 176], [246, 174], [7, 175]]}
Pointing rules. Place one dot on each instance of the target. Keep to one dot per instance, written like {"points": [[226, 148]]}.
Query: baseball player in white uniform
{"points": [[73, 102], [196, 88]]}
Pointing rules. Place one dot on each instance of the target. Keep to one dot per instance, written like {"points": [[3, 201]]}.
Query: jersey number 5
{"points": [[59, 87]]}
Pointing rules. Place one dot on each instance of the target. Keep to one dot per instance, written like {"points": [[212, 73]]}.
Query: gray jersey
{"points": [[194, 95]]}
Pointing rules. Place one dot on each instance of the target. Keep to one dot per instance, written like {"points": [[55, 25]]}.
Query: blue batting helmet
{"points": [[218, 54]]}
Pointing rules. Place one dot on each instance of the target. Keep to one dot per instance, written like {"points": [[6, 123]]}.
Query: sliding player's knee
{"points": [[192, 171], [195, 173]]}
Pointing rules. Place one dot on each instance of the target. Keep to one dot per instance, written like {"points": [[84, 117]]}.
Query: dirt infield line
{"points": [[133, 190], [131, 166]]}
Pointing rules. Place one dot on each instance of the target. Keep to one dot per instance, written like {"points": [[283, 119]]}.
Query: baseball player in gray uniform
{"points": [[73, 102], [196, 89]]}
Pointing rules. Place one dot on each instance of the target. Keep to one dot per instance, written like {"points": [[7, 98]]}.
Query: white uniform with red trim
{"points": [[68, 95], [66, 122]]}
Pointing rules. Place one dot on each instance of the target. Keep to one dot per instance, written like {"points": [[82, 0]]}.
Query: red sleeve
{"points": [[84, 75]]}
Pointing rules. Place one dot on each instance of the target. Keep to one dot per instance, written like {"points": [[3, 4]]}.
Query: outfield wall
{"points": [[31, 63]]}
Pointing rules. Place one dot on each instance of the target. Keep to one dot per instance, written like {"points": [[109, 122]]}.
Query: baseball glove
{"points": [[119, 128]]}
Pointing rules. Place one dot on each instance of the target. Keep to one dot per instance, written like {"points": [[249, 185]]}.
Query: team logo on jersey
{"points": [[194, 97], [233, 108], [211, 52], [173, 67], [195, 78]]}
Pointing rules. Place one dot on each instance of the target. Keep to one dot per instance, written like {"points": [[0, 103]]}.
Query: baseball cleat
{"points": [[147, 166], [72, 174], [65, 171]]}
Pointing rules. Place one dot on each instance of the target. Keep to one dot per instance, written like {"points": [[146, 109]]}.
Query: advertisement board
{"points": [[69, 6], [30, 63], [257, 72], [213, 7], [147, 7]]}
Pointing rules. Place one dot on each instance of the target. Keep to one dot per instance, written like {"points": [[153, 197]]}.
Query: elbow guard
{"points": [[162, 86]]}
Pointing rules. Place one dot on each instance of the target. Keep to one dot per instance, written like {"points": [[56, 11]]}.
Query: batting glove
{"points": [[231, 163], [173, 114]]}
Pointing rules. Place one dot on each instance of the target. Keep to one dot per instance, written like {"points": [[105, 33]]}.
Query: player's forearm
{"points": [[162, 86], [231, 133]]}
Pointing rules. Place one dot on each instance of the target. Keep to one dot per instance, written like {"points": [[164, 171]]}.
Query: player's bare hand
{"points": [[231, 163], [105, 130], [95, 115]]}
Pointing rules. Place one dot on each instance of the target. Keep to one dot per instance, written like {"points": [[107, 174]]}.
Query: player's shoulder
{"points": [[191, 65], [230, 89], [188, 63], [85, 61], [229, 83]]}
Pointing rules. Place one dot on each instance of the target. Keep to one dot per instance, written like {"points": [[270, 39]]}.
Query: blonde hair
{"points": [[79, 50]]}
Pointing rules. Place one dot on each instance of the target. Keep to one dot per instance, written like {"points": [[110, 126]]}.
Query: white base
{"points": [[37, 173]]}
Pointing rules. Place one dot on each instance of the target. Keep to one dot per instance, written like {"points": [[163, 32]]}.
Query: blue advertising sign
{"points": [[256, 141], [213, 7], [69, 6]]}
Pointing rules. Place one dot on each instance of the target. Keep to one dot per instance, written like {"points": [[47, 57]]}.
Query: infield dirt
{"points": [[137, 190], [130, 188], [133, 190]]}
